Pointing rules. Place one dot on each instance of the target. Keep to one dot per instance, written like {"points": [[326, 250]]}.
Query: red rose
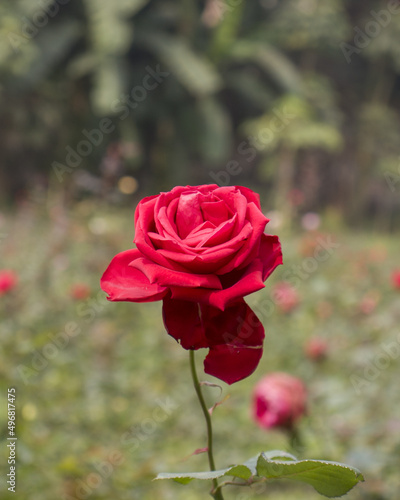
{"points": [[279, 400], [201, 249], [8, 281]]}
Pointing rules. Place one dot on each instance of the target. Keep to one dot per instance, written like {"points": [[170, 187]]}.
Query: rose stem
{"points": [[216, 494]]}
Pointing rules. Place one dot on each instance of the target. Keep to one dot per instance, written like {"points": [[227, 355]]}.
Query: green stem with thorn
{"points": [[216, 491]]}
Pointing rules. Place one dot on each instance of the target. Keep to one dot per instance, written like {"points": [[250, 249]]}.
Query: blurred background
{"points": [[103, 103]]}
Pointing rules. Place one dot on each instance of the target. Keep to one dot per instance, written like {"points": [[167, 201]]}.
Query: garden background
{"points": [[103, 103]]}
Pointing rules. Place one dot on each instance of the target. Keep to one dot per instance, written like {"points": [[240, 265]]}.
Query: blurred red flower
{"points": [[8, 281], [316, 348], [396, 279], [80, 291], [285, 296], [279, 400]]}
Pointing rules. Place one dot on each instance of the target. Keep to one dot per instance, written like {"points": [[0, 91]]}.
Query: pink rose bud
{"points": [[8, 281], [279, 400], [285, 296], [316, 348]]}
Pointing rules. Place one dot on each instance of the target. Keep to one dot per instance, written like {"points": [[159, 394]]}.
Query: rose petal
{"points": [[250, 250], [173, 245], [145, 224], [216, 212], [238, 284], [234, 336], [169, 277], [270, 254], [166, 226], [221, 234], [232, 364], [199, 264], [145, 228], [200, 295], [235, 244], [145, 208], [188, 213], [240, 334], [238, 325], [178, 260], [171, 209], [235, 286], [182, 321], [250, 195], [236, 202], [123, 282], [199, 234]]}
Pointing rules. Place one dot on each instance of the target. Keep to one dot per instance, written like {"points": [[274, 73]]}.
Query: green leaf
{"points": [[331, 479], [193, 71], [271, 455], [53, 43], [245, 471], [214, 134], [240, 471], [275, 63], [109, 28], [108, 84]]}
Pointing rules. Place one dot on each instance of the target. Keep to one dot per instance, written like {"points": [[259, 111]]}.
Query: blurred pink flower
{"points": [[285, 296], [8, 281], [316, 348], [279, 400], [310, 221], [396, 279], [369, 302], [80, 291]]}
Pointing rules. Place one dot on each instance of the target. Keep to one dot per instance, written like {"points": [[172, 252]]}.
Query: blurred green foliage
{"points": [[229, 68]]}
